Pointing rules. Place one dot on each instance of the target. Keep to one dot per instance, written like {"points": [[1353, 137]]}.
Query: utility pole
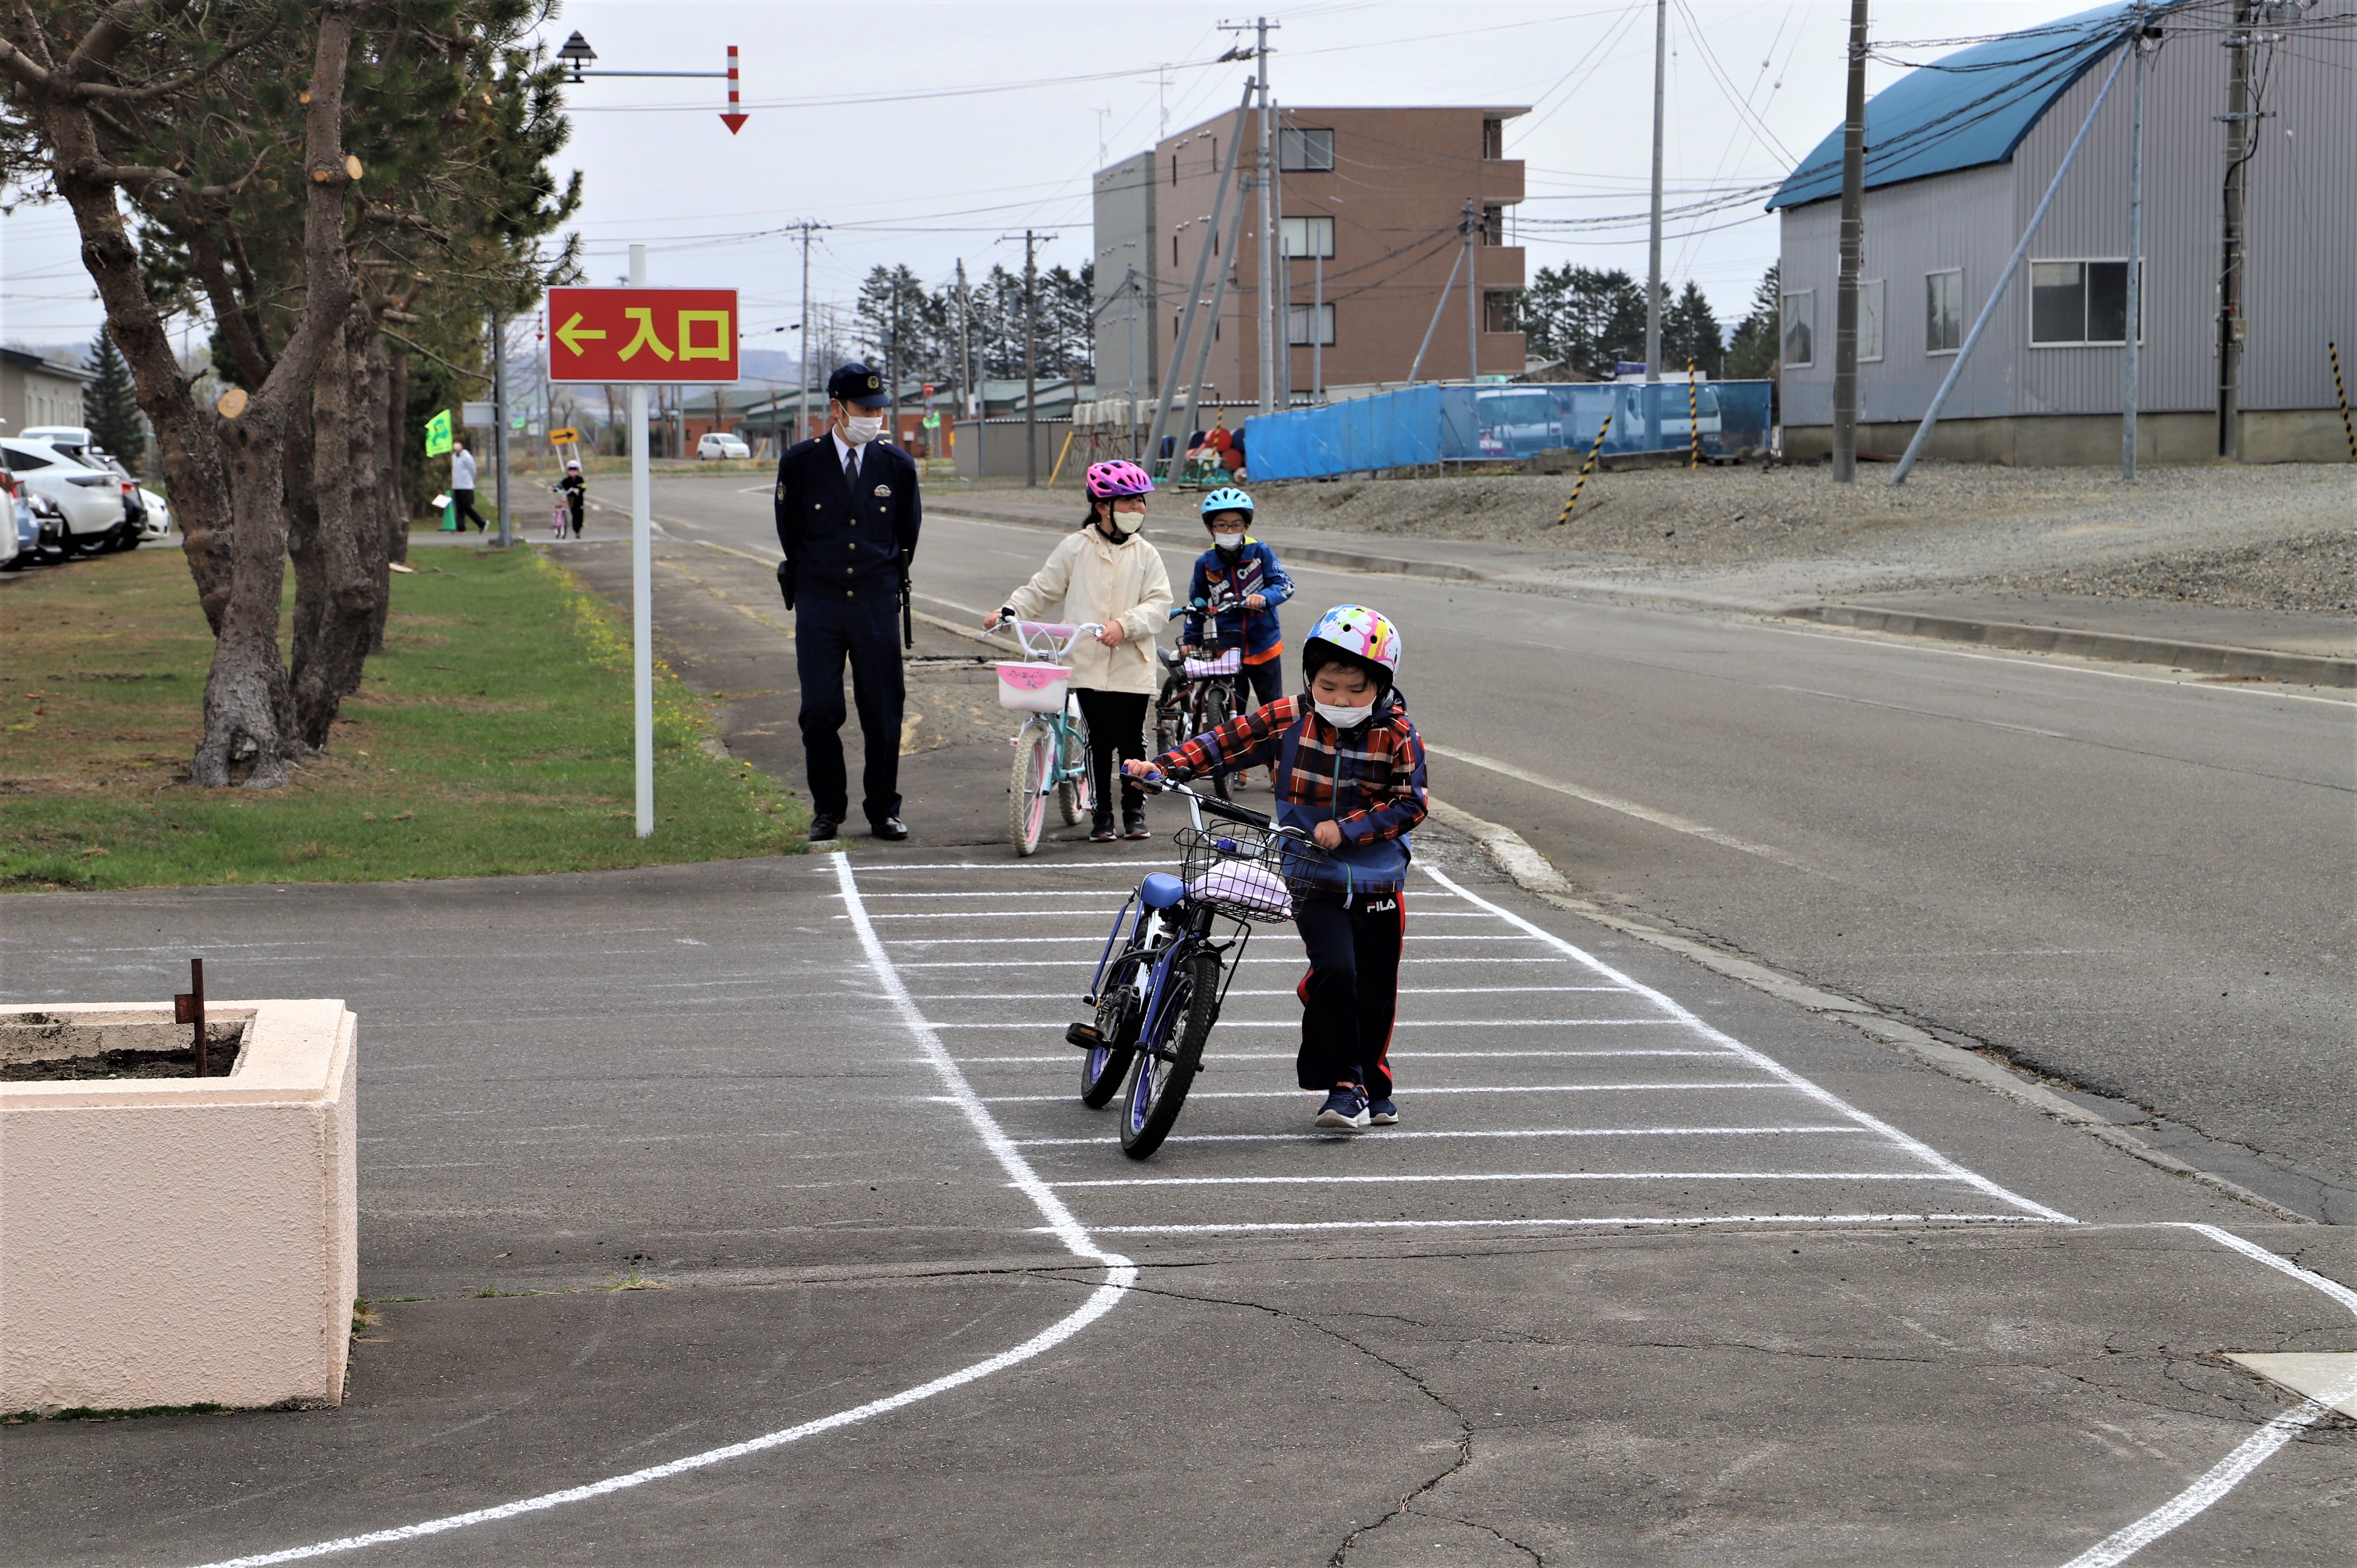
{"points": [[2240, 146], [1267, 227], [1031, 366], [892, 367], [499, 415], [803, 359], [1317, 326], [1169, 388], [2130, 371], [1853, 249], [642, 610], [1129, 416], [1473, 228], [1653, 233]]}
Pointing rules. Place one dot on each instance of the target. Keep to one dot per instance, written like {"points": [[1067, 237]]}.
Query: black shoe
{"points": [[892, 830], [821, 828]]}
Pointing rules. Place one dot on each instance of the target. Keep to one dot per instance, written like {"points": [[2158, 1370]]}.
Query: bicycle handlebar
{"points": [[1160, 783]]}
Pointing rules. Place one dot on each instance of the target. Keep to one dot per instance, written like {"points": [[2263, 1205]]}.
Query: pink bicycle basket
{"points": [[1033, 688]]}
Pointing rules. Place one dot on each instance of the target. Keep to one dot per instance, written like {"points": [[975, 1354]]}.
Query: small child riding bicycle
{"points": [[1347, 768]]}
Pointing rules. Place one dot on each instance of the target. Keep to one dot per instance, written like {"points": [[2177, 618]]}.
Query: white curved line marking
{"points": [[2252, 1452], [1120, 1275]]}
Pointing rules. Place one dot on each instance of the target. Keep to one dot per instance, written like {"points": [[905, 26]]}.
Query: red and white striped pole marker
{"points": [[735, 119]]}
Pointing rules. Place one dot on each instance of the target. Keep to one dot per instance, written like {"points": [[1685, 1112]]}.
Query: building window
{"points": [[1494, 225], [1305, 152], [1493, 138], [2078, 302], [1798, 313], [1869, 319], [1307, 237], [1498, 310], [1296, 331], [1943, 312]]}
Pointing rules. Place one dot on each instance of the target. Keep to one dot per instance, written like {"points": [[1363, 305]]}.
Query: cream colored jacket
{"points": [[1090, 578]]}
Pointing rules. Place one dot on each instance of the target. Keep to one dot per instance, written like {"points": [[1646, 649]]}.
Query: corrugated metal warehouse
{"points": [[1959, 154]]}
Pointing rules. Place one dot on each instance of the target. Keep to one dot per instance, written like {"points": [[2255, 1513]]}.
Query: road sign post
{"points": [[636, 336]]}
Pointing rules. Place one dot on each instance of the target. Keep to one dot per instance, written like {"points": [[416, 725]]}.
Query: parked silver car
{"points": [[144, 505], [103, 510]]}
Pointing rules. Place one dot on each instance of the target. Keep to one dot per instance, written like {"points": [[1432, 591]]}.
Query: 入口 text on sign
{"points": [[624, 334]]}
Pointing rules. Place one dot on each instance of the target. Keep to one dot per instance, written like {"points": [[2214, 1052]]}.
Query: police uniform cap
{"points": [[858, 384]]}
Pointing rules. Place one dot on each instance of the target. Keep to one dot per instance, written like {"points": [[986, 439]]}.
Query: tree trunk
{"points": [[385, 393], [340, 586], [248, 710]]}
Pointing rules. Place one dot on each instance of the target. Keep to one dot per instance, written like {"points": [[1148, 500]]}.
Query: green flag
{"points": [[437, 434]]}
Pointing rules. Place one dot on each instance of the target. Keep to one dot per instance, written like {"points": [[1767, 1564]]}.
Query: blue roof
{"points": [[1966, 109]]}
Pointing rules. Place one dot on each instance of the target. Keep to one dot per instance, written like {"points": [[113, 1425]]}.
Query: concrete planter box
{"points": [[179, 1241]]}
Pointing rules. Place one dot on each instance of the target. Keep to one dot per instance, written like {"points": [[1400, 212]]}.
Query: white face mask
{"points": [[859, 432], [1341, 717], [1228, 543], [1126, 524]]}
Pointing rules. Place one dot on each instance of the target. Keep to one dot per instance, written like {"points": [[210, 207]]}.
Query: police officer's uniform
{"points": [[848, 542]]}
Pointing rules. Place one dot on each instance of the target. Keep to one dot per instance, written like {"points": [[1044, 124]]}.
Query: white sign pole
{"points": [[643, 615]]}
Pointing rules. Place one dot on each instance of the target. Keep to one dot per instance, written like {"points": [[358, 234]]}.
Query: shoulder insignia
{"points": [[782, 491]]}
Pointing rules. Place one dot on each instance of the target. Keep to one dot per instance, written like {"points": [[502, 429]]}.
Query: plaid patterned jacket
{"points": [[1369, 780]]}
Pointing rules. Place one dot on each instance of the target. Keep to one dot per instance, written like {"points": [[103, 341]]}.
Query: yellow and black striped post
{"points": [[1585, 469], [2340, 392], [1693, 420]]}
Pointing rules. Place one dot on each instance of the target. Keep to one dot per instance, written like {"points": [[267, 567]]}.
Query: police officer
{"points": [[847, 515]]}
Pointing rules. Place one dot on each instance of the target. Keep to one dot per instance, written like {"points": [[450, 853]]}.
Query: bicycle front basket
{"points": [[1227, 663], [1247, 873]]}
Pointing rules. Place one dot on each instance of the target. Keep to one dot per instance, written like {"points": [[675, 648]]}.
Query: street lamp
{"points": [[576, 54]]}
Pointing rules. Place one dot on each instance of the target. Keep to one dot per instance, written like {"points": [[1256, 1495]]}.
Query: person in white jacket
{"points": [[1105, 573]]}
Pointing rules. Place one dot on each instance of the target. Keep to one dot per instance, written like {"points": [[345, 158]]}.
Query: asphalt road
{"points": [[899, 1299], [2135, 883]]}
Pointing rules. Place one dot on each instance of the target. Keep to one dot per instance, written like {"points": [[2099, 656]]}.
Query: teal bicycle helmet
{"points": [[1227, 500]]}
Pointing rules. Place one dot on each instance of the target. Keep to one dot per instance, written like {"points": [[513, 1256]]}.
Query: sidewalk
{"points": [[2314, 649]]}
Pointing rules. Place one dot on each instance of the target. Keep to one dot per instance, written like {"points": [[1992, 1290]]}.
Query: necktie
{"points": [[851, 469]]}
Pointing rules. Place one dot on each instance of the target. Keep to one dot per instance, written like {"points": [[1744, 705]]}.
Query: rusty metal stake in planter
{"points": [[188, 1007], [1585, 469]]}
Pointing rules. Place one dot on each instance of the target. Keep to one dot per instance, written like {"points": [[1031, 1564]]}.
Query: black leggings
{"points": [[1265, 682], [1116, 725], [1350, 995]]}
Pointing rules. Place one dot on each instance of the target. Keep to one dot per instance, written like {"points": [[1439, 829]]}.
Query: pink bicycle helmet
{"points": [[1118, 477]]}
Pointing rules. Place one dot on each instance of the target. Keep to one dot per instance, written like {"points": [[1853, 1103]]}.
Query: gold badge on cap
{"points": [[872, 382]]}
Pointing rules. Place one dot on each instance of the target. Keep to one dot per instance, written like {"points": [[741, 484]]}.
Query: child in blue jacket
{"points": [[1243, 565]]}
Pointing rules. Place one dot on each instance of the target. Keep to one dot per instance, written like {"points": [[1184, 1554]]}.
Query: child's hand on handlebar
{"points": [[1111, 634], [1256, 601], [1141, 770], [1329, 835]]}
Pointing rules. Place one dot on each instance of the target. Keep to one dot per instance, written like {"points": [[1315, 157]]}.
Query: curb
{"points": [[2210, 658], [1531, 872]]}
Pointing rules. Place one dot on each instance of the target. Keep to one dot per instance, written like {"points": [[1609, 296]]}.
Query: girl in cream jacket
{"points": [[1106, 573]]}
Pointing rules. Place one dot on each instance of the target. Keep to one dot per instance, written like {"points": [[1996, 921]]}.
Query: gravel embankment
{"points": [[2270, 538]]}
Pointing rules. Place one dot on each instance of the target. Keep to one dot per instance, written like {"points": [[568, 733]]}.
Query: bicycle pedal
{"points": [[1084, 1035]]}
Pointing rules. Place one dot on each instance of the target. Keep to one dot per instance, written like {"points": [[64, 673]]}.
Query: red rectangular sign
{"points": [[621, 335]]}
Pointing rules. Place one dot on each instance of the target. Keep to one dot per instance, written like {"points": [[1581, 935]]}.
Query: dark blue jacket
{"points": [[1251, 570], [844, 546]]}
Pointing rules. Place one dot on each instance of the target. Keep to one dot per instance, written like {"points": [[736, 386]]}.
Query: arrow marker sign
{"points": [[618, 335]]}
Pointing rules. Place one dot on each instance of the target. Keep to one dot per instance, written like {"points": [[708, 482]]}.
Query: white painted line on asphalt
{"points": [[1120, 1275], [1391, 1180], [1297, 963], [1065, 995], [1098, 941], [1069, 1059], [1407, 1024], [1614, 803], [2252, 1450], [1446, 1089], [1585, 1224], [1099, 911], [1392, 1135], [1765, 1063], [871, 867]]}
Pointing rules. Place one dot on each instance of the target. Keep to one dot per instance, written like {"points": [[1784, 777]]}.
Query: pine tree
{"points": [[111, 404], [1689, 331], [1752, 356]]}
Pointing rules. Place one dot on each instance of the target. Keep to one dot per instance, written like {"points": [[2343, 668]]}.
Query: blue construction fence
{"points": [[1503, 423]]}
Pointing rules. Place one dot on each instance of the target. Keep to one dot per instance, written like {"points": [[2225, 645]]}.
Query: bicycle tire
{"points": [[1026, 785], [1076, 795], [1105, 1068], [1218, 707], [1157, 1087]]}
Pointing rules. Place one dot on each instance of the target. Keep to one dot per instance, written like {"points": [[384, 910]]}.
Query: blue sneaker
{"points": [[1346, 1107], [1381, 1113]]}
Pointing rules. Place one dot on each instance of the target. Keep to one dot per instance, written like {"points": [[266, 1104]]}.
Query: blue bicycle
{"points": [[1167, 966]]}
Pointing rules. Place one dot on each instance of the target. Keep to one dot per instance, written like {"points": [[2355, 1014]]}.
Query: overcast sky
{"points": [[973, 127]]}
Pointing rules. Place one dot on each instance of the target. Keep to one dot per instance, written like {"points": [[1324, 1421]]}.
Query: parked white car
{"points": [[94, 500], [154, 515], [720, 443]]}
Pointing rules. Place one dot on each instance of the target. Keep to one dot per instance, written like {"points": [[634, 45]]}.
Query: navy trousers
{"points": [[1350, 995], [866, 631]]}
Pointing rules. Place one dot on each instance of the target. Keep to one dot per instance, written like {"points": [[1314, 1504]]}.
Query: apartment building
{"points": [[1370, 205]]}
